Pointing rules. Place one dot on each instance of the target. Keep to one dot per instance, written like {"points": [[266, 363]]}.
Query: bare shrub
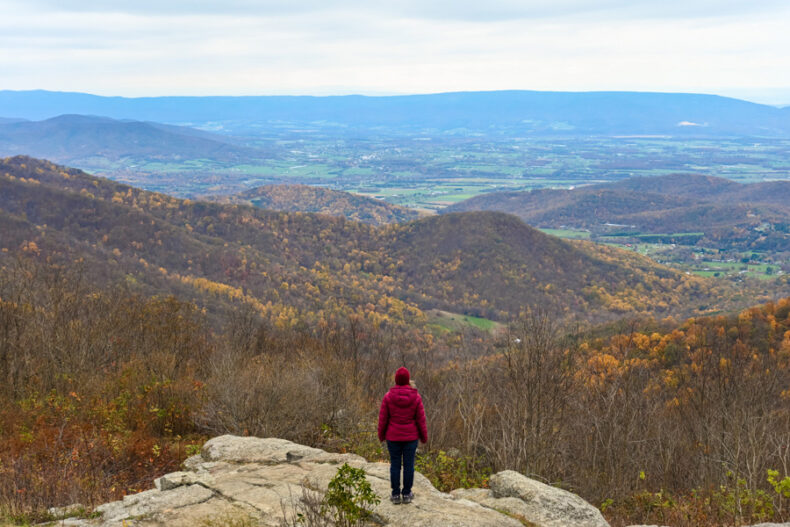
{"points": [[305, 511], [515, 410]]}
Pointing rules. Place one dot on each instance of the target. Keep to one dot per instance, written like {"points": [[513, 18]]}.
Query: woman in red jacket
{"points": [[402, 423]]}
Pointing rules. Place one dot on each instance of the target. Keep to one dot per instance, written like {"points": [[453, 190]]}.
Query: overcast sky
{"points": [[245, 47]]}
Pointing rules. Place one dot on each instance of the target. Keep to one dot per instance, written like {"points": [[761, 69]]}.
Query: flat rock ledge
{"points": [[533, 501], [254, 481]]}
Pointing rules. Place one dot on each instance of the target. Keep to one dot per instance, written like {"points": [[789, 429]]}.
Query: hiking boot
{"points": [[395, 499], [408, 497]]}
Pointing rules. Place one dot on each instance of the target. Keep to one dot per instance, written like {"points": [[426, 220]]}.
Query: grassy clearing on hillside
{"points": [[568, 233], [446, 321]]}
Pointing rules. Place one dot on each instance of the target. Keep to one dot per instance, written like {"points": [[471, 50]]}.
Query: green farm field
{"points": [[436, 172], [692, 259]]}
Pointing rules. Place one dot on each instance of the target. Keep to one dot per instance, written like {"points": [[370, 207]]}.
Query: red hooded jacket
{"points": [[402, 416]]}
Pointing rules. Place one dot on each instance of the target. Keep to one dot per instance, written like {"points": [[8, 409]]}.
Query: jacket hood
{"points": [[403, 396]]}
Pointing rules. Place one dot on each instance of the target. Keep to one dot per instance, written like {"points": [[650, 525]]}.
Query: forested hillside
{"points": [[658, 422], [293, 266], [133, 325], [689, 186], [727, 214], [305, 198]]}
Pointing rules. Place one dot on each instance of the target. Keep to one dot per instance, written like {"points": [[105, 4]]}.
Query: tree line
{"points": [[655, 421]]}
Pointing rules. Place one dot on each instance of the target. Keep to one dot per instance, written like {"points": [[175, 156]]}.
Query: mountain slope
{"points": [[74, 137], [688, 186], [306, 198], [514, 111], [730, 214], [571, 207], [767, 192], [294, 265], [497, 260]]}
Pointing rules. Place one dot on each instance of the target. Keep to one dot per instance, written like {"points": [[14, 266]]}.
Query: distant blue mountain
{"points": [[510, 112], [77, 137], [9, 120]]}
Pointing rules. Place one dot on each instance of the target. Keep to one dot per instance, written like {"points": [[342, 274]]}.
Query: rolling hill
{"points": [[306, 198], [518, 112], [297, 266], [730, 214], [74, 138], [689, 186]]}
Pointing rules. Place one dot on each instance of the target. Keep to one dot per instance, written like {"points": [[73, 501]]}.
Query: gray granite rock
{"points": [[264, 480], [535, 502]]}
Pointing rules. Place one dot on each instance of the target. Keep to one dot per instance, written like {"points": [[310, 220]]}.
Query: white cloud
{"points": [[245, 47], [473, 10]]}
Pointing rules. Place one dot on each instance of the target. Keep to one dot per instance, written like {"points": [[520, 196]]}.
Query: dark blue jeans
{"points": [[404, 450]]}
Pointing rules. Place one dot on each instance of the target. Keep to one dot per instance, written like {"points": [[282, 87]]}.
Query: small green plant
{"points": [[349, 498], [193, 450], [739, 501], [655, 504], [447, 472], [781, 487]]}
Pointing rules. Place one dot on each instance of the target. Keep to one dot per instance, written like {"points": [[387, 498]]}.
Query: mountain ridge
{"points": [[722, 209], [73, 136], [517, 111], [483, 263], [320, 200]]}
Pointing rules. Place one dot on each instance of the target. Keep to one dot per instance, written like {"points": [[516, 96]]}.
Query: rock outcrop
{"points": [[253, 481], [535, 502]]}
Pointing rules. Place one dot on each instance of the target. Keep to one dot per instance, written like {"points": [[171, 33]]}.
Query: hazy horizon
{"points": [[766, 100], [275, 47]]}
